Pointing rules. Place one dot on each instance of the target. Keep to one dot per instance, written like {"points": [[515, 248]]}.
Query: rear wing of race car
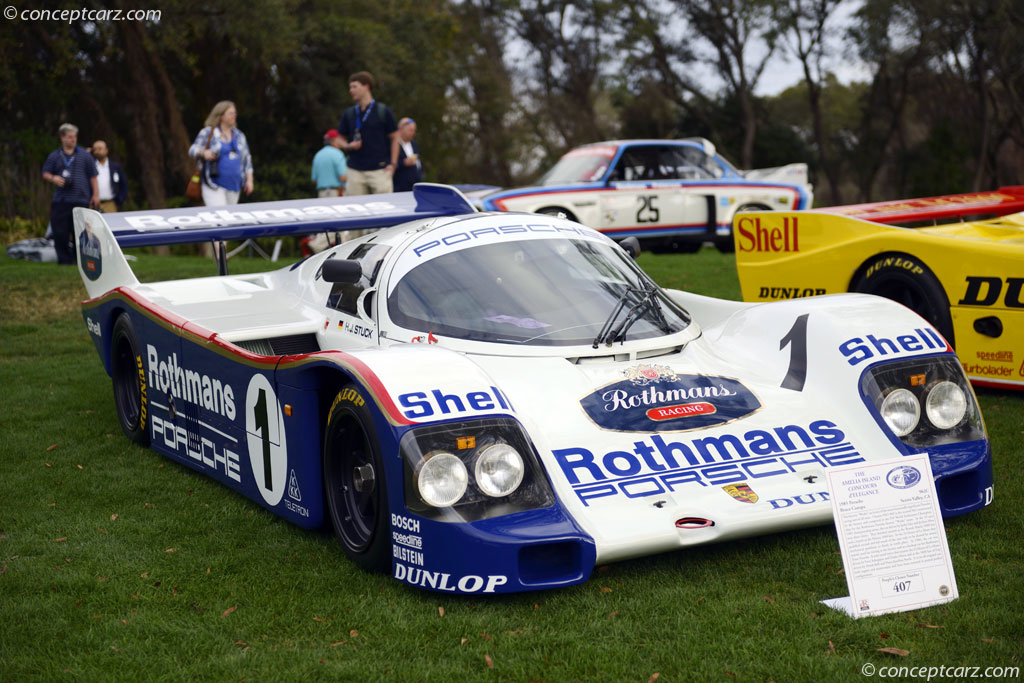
{"points": [[100, 236], [975, 205]]}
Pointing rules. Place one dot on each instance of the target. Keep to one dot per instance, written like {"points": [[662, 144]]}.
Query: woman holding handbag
{"points": [[224, 152]]}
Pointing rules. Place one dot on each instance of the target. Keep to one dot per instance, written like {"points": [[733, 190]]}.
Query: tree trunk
{"points": [[144, 112]]}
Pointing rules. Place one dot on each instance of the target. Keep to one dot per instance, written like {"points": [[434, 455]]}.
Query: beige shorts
{"points": [[369, 182]]}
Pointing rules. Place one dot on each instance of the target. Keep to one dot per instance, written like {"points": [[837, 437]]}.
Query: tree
{"points": [[735, 28], [802, 26], [657, 70], [567, 42], [481, 102]]}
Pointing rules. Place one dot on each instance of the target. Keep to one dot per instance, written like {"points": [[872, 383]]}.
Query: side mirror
{"points": [[341, 270], [631, 245]]}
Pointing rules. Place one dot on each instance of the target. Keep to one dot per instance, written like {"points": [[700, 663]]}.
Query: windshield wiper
{"points": [[606, 328], [647, 293], [652, 293]]}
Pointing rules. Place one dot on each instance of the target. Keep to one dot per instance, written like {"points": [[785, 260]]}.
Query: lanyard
{"points": [[67, 161], [360, 122]]}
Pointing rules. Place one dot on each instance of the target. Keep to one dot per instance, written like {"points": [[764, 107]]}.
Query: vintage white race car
{"points": [[673, 195], [486, 403]]}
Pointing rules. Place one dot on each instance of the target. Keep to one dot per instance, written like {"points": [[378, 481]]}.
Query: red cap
{"points": [[331, 134]]}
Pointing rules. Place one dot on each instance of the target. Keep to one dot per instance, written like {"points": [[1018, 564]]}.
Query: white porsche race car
{"points": [[487, 403]]}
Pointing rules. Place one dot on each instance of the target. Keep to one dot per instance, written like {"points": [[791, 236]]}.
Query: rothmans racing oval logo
{"points": [[90, 253], [654, 398]]}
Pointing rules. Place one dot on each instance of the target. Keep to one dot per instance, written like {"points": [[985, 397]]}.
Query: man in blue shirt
{"points": [[370, 136], [329, 167], [72, 171]]}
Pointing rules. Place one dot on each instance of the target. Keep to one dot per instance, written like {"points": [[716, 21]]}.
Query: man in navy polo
{"points": [[72, 171], [370, 136]]}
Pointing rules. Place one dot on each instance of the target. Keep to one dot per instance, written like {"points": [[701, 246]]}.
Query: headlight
{"points": [[472, 470], [900, 391], [499, 470], [442, 479], [946, 405], [901, 411]]}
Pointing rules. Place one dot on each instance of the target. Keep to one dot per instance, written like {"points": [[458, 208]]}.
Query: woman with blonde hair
{"points": [[224, 153]]}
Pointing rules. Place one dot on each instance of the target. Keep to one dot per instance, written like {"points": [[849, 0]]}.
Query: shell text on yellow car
{"points": [[755, 237]]}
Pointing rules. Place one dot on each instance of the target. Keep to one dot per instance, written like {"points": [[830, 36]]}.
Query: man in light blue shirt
{"points": [[329, 167]]}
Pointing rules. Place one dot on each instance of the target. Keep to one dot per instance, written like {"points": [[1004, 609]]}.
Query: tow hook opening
{"points": [[694, 523]]}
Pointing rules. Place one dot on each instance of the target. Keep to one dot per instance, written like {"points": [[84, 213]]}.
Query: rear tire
{"points": [[907, 280], [727, 244], [355, 483], [558, 211], [672, 245], [129, 379]]}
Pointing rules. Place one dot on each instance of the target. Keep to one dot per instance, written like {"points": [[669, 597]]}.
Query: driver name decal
{"points": [[656, 398]]}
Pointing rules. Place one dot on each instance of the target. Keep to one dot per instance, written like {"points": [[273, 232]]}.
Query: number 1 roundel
{"points": [[268, 452]]}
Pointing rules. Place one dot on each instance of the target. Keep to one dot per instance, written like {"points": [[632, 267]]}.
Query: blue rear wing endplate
{"points": [[291, 217]]}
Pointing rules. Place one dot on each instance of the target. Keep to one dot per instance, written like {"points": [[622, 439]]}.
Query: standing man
{"points": [[410, 169], [109, 178], [72, 171], [370, 137], [329, 167]]}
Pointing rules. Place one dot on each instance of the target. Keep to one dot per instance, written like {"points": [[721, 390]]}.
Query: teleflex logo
{"points": [[668, 402], [753, 236], [858, 350], [656, 465], [213, 219], [190, 386]]}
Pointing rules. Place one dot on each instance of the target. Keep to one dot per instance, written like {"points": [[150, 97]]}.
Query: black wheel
{"points": [[673, 245], [727, 244], [129, 377], [354, 480], [559, 212], [906, 280]]}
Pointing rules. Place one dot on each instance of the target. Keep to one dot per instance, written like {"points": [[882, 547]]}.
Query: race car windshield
{"points": [[579, 166], [550, 292]]}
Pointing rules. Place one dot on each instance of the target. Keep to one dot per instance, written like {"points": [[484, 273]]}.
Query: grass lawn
{"points": [[118, 564]]}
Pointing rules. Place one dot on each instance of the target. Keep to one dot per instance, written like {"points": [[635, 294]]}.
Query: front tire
{"points": [[907, 280], [129, 379], [355, 481]]}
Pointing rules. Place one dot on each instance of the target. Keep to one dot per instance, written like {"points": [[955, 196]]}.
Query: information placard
{"points": [[891, 536]]}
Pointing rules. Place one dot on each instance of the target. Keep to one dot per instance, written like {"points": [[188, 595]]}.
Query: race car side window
{"points": [[639, 162], [345, 296], [700, 162]]}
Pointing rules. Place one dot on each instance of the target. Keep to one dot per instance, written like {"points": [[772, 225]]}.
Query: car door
{"points": [[647, 193]]}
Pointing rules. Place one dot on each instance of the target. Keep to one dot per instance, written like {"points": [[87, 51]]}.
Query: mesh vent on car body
{"points": [[292, 344]]}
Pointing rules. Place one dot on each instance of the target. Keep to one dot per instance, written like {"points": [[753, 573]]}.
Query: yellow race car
{"points": [[965, 275]]}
